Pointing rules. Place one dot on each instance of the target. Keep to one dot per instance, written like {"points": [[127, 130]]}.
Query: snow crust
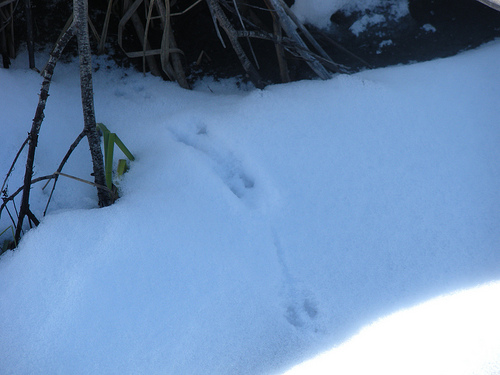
{"points": [[258, 228]]}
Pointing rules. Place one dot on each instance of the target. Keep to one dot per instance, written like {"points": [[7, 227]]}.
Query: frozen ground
{"points": [[259, 228]]}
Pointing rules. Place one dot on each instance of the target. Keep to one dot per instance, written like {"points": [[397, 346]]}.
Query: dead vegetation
{"points": [[175, 38], [238, 26]]}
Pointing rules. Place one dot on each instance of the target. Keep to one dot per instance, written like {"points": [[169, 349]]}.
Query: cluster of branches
{"points": [[78, 28], [237, 21], [233, 18]]}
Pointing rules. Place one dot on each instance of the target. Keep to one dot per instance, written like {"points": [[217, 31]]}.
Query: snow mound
{"points": [[257, 228]]}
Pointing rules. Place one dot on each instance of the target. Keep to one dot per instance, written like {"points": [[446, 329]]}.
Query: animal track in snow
{"points": [[300, 306], [227, 166], [301, 311]]}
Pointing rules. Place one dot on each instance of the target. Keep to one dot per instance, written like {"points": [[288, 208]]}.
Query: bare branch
{"points": [[61, 166], [220, 17], [36, 125], [14, 163]]}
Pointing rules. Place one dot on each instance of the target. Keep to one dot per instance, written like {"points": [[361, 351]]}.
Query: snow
{"points": [[453, 334], [382, 44], [258, 228], [429, 28], [364, 22], [318, 12]]}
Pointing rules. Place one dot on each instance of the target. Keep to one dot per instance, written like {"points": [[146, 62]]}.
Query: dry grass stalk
{"points": [[130, 14], [170, 56], [219, 16]]}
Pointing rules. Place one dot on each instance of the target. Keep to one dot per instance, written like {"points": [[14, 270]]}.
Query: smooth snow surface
{"points": [[257, 229]]}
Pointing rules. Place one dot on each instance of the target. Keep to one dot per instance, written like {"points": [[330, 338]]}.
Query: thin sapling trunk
{"points": [[35, 130], [80, 11]]}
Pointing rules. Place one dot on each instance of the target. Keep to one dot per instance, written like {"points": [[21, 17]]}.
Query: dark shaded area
{"points": [[205, 54], [433, 29], [49, 18]]}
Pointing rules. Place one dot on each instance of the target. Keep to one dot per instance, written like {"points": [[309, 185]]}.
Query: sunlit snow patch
{"points": [[454, 334]]}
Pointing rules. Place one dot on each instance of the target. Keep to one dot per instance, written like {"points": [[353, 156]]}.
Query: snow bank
{"points": [[256, 228]]}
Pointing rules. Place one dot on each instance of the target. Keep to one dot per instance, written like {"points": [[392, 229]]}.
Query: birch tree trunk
{"points": [[80, 13]]}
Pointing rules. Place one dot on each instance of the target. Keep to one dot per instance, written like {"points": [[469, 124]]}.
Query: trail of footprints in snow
{"points": [[228, 167], [301, 308], [301, 311]]}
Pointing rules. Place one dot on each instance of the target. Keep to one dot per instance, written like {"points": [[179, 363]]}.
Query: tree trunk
{"points": [[29, 32], [80, 11]]}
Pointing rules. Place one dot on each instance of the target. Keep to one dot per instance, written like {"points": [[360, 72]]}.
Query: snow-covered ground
{"points": [[455, 334], [257, 229]]}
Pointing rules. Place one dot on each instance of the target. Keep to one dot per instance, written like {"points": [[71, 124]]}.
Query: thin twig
{"points": [[105, 28], [86, 182], [306, 32], [11, 198], [94, 30], [216, 25], [187, 9], [15, 208], [280, 50], [294, 48], [13, 195], [32, 219], [14, 163], [11, 218], [131, 14], [49, 177], [36, 125], [244, 29], [232, 34], [342, 48], [145, 39], [290, 29], [61, 165]]}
